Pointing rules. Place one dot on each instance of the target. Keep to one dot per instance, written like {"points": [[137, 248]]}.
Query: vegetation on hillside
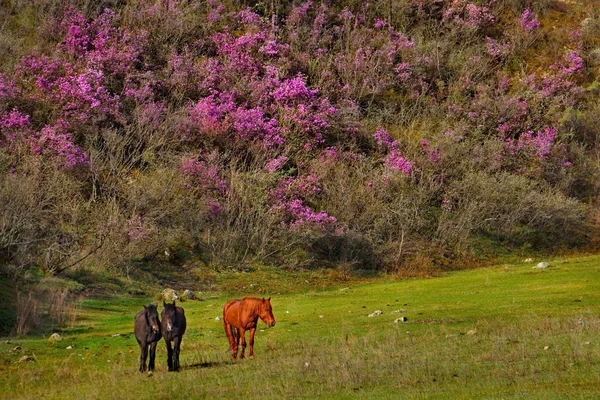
{"points": [[376, 136]]}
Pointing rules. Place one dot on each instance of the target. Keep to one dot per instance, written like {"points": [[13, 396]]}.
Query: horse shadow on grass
{"points": [[206, 364]]}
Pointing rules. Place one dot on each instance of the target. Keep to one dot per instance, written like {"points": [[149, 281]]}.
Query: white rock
{"points": [[169, 295], [542, 265], [55, 337], [376, 313]]}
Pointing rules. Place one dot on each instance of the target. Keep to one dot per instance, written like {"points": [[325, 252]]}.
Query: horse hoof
{"points": [[150, 373]]}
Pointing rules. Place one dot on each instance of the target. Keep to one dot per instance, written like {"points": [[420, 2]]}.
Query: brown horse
{"points": [[173, 326], [242, 315], [147, 333]]}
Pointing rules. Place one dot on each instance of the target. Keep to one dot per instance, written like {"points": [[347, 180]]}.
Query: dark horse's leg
{"points": [[176, 347], [152, 356], [143, 355], [242, 336], [169, 355], [251, 342]]}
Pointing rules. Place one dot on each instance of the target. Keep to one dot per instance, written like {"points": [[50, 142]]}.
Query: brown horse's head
{"points": [[152, 317], [265, 312], [169, 317]]}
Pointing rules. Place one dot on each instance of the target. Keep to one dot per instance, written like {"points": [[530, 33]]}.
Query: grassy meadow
{"points": [[508, 331]]}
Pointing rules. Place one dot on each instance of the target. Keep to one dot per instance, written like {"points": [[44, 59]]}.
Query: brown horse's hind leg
{"points": [[231, 333], [242, 335]]}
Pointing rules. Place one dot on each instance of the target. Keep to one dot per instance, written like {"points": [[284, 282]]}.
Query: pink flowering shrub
{"points": [[264, 124]]}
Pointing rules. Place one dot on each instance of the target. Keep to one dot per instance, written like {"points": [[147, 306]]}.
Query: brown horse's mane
{"points": [[255, 304]]}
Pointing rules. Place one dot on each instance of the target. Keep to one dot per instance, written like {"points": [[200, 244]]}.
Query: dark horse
{"points": [[173, 327], [147, 333], [242, 315]]}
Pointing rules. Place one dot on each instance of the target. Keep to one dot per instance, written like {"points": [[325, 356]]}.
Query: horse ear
{"points": [[263, 299], [269, 299]]}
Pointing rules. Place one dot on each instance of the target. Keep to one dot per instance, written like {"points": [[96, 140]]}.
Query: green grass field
{"points": [[505, 332]]}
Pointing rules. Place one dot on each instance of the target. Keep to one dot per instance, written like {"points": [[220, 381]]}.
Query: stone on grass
{"points": [[376, 313], [188, 294], [542, 265], [26, 359], [401, 319], [169, 295], [55, 337]]}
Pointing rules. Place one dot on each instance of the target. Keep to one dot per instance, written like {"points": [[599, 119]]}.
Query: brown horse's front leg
{"points": [[143, 356], [251, 343], [242, 335], [152, 356], [169, 355]]}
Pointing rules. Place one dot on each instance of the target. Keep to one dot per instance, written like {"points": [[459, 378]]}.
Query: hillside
{"points": [[157, 141]]}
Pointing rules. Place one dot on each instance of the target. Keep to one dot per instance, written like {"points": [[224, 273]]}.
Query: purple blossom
{"points": [[200, 175], [136, 229], [538, 144], [346, 15], [396, 162], [573, 63], [275, 164], [380, 24], [55, 142], [498, 49], [14, 129], [7, 88], [298, 214], [527, 22], [293, 90], [14, 120], [248, 17], [384, 141], [299, 12], [215, 208], [468, 14]]}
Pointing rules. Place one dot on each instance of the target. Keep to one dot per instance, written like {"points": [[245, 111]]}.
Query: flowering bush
{"points": [[266, 123]]}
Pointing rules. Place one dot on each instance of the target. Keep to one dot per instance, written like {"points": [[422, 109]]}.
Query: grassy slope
{"points": [[498, 332]]}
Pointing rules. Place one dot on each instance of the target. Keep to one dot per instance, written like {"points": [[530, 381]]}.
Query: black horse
{"points": [[147, 333], [173, 327]]}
